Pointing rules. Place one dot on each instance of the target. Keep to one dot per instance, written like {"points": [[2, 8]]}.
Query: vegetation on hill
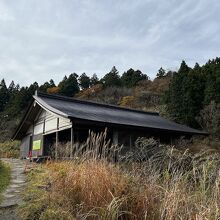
{"points": [[191, 90], [190, 96]]}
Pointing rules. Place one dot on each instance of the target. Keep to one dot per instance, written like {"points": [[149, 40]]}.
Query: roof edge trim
{"points": [[195, 132], [47, 107]]}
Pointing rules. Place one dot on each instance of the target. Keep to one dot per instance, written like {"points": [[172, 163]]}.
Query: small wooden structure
{"points": [[51, 119]]}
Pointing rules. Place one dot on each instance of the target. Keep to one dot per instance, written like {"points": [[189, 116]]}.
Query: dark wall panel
{"points": [[25, 146]]}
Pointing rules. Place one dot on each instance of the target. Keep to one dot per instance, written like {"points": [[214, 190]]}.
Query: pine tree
{"points": [[132, 77], [94, 80], [69, 86], [211, 73], [175, 96], [112, 78], [84, 81], [186, 94], [193, 96], [4, 95], [161, 73], [52, 84], [11, 87], [47, 85], [62, 83]]}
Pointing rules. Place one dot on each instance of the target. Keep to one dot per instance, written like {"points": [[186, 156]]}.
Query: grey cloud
{"points": [[40, 40]]}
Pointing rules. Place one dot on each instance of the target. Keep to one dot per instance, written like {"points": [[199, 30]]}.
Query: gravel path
{"points": [[12, 195]]}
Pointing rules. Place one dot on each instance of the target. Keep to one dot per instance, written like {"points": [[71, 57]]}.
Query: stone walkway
{"points": [[12, 195]]}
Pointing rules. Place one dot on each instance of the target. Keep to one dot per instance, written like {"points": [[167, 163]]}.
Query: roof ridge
{"points": [[61, 97]]}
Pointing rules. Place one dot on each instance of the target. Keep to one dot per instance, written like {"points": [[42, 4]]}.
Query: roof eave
{"points": [[49, 108], [196, 132]]}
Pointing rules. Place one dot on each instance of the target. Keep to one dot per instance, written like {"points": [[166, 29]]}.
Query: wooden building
{"points": [[52, 118]]}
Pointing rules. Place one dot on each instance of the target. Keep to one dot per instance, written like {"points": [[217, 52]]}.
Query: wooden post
{"points": [[171, 140], [44, 126], [115, 137], [130, 141], [56, 146], [71, 144], [57, 140], [31, 144]]}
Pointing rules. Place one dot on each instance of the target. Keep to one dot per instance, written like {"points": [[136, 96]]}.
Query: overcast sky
{"points": [[44, 39]]}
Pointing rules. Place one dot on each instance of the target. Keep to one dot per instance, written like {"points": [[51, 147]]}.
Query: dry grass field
{"points": [[153, 181]]}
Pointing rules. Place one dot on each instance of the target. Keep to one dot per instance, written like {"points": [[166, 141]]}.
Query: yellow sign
{"points": [[36, 145]]}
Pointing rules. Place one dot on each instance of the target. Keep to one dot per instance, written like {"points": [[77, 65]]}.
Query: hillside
{"points": [[189, 96]]}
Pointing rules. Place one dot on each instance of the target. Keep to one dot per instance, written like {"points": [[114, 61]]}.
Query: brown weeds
{"points": [[153, 182]]}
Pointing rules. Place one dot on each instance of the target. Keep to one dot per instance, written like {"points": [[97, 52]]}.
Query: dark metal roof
{"points": [[109, 114], [98, 113]]}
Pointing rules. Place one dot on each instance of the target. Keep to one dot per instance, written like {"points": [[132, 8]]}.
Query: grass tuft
{"points": [[10, 149], [4, 177]]}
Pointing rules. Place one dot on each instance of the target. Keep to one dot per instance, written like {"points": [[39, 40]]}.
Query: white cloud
{"points": [[40, 40], [5, 14]]}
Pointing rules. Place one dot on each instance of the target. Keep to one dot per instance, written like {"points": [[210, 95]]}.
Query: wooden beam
{"points": [[44, 126], [171, 140], [58, 123], [115, 137], [57, 140], [33, 128], [130, 141], [72, 141], [32, 138], [56, 145]]}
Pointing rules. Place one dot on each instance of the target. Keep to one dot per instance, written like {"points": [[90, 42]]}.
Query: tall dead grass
{"points": [[95, 147], [87, 190], [153, 181], [10, 149]]}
